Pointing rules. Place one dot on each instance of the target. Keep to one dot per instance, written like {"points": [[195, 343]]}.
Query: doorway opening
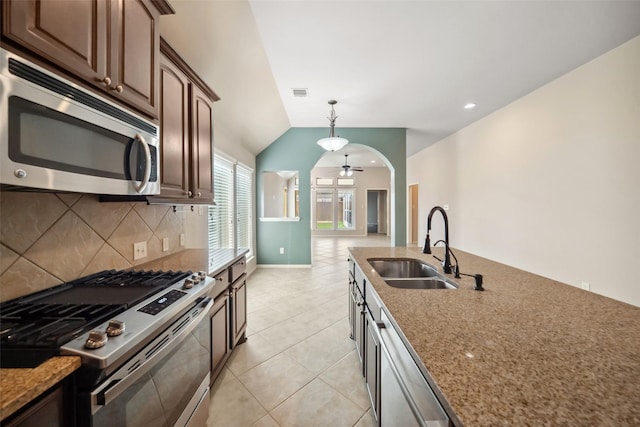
{"points": [[413, 214], [377, 211]]}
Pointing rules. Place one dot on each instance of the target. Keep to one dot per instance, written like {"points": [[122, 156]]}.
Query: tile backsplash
{"points": [[47, 239]]}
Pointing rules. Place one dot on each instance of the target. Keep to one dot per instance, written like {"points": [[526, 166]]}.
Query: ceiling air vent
{"points": [[300, 93]]}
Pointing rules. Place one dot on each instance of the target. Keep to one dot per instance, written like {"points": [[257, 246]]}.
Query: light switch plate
{"points": [[165, 244], [181, 239]]}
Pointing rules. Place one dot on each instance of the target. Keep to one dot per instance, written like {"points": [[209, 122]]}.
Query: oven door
{"points": [[165, 384]]}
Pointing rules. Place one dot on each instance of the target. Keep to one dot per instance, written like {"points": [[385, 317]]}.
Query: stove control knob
{"points": [[196, 279], [115, 328], [188, 284], [96, 339]]}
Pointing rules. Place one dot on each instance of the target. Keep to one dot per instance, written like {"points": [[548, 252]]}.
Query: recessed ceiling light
{"points": [[469, 106], [373, 161]]}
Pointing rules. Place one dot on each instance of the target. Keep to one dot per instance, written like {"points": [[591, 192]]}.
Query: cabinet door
{"points": [[174, 131], [202, 145], [69, 33], [134, 50], [359, 327], [372, 364], [239, 290], [51, 410], [220, 343], [352, 308]]}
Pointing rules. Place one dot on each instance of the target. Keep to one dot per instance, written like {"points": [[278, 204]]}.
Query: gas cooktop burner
{"points": [[32, 328]]}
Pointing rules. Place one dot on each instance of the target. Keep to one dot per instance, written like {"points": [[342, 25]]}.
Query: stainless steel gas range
{"points": [[144, 338]]}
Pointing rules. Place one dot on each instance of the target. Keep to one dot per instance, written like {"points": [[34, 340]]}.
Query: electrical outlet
{"points": [[281, 251], [585, 286], [139, 250], [165, 244], [445, 207], [181, 239]]}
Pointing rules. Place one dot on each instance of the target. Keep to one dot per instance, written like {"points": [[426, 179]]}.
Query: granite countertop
{"points": [[20, 386], [195, 260], [526, 351]]}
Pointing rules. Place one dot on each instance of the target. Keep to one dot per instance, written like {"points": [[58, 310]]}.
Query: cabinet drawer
{"points": [[374, 305], [360, 281], [220, 285], [237, 270]]}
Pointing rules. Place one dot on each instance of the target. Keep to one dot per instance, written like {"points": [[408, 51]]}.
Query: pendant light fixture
{"points": [[332, 143]]}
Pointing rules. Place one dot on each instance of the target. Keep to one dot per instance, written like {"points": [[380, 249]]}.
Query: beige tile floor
{"points": [[298, 366]]}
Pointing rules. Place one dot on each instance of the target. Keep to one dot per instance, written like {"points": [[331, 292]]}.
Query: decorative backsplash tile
{"points": [[24, 217], [47, 239]]}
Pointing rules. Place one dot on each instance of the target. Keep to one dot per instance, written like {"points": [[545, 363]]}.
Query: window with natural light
{"points": [[230, 220]]}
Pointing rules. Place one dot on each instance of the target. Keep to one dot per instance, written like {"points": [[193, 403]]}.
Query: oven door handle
{"points": [[152, 353]]}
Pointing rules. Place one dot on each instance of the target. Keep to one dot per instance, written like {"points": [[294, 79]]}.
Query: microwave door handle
{"points": [[147, 165]]}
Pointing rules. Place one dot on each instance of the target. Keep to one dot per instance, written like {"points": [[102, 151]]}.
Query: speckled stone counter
{"points": [[195, 260], [527, 351], [20, 386]]}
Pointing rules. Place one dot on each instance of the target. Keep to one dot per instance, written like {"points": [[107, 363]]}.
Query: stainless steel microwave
{"points": [[55, 135]]}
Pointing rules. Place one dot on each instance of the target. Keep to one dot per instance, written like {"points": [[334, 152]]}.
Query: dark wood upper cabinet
{"points": [[134, 53], [69, 33], [111, 45], [186, 131], [202, 147], [174, 130]]}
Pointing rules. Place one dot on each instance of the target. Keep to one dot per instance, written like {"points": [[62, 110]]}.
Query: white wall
{"points": [[551, 183]]}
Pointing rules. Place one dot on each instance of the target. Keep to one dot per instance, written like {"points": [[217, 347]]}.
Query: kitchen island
{"points": [[526, 351]]}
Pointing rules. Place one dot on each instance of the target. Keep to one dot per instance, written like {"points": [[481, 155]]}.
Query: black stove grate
{"points": [[34, 327]]}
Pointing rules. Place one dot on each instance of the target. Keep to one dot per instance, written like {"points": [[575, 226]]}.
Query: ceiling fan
{"points": [[348, 170]]}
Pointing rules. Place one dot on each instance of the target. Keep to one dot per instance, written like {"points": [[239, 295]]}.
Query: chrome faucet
{"points": [[446, 264]]}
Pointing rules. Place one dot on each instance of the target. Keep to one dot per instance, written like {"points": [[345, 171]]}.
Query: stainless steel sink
{"points": [[426, 283], [409, 273], [402, 268]]}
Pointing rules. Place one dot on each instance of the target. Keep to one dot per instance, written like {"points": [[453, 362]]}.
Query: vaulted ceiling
{"points": [[389, 63]]}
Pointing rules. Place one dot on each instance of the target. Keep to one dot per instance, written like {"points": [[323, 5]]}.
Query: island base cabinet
{"points": [[372, 365], [359, 335]]}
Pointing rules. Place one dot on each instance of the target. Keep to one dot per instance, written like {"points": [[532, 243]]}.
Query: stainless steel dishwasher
{"points": [[406, 398]]}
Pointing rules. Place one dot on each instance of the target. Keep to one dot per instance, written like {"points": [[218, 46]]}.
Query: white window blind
{"points": [[244, 207], [221, 215], [231, 219]]}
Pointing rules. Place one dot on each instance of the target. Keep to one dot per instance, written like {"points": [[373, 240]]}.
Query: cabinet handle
{"points": [[199, 194], [189, 193], [118, 88], [107, 81]]}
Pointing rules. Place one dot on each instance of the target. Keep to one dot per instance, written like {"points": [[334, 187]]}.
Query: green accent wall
{"points": [[297, 149]]}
